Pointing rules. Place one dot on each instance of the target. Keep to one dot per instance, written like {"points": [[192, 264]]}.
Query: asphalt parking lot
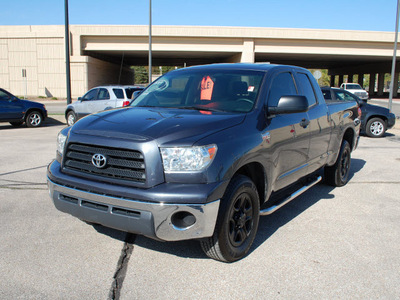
{"points": [[340, 243]]}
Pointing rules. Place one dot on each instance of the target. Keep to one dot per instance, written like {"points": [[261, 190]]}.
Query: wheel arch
{"points": [[256, 172], [349, 136], [382, 117], [68, 110], [32, 109]]}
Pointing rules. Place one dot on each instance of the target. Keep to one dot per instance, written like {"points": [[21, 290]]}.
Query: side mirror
{"points": [[289, 105], [79, 98]]}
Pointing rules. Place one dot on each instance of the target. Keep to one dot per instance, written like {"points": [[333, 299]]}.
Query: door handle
{"points": [[304, 123]]}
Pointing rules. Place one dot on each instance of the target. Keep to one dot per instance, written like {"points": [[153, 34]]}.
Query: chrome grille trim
{"points": [[121, 164]]}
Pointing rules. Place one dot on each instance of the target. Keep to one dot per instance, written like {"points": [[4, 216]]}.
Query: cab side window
{"points": [[91, 95], [349, 97], [4, 96], [282, 85], [307, 88], [344, 96], [103, 94]]}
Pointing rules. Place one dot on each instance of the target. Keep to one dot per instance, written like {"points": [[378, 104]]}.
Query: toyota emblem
{"points": [[99, 160]]}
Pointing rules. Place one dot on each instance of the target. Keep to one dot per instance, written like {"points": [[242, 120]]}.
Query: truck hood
{"points": [[167, 126]]}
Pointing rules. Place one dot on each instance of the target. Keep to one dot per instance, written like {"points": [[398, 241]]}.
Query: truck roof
{"points": [[243, 66]]}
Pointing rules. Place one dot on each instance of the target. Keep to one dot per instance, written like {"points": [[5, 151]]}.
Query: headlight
{"points": [[61, 138], [184, 159]]}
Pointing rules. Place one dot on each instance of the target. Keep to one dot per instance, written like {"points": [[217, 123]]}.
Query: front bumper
{"points": [[156, 220], [391, 120]]}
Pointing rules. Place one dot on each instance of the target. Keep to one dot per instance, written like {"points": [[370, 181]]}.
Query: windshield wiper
{"points": [[198, 108]]}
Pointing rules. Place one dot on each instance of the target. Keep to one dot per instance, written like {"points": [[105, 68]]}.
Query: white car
{"points": [[98, 99], [355, 89]]}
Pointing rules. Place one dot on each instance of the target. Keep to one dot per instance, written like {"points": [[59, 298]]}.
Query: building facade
{"points": [[32, 58]]}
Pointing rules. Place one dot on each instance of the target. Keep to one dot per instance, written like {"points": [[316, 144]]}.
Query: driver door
{"points": [[288, 138], [101, 102], [82, 108]]}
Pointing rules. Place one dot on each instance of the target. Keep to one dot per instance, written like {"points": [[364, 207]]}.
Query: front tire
{"points": [[237, 222], [71, 118], [338, 174], [376, 127], [34, 119]]}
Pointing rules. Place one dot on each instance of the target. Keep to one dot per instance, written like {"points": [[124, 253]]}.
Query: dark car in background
{"points": [[17, 111], [375, 120]]}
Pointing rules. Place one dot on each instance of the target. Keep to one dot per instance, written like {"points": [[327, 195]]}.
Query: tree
{"points": [[141, 74], [324, 80]]}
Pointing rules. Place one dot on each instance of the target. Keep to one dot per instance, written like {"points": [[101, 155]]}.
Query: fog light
{"points": [[182, 220]]}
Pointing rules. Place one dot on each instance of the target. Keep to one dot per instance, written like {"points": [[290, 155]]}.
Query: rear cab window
{"points": [[306, 88]]}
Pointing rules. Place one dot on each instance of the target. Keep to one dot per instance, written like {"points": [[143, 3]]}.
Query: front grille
{"points": [[121, 164], [360, 94]]}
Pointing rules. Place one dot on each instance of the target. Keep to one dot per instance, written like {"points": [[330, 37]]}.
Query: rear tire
{"points": [[237, 222], [338, 174], [34, 119]]}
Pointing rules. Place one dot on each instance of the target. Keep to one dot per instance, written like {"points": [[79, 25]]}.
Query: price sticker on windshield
{"points": [[207, 86]]}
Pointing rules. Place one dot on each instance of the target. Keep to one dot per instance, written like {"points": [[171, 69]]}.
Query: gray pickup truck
{"points": [[203, 152]]}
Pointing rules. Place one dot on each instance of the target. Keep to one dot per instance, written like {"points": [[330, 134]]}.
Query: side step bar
{"points": [[274, 208]]}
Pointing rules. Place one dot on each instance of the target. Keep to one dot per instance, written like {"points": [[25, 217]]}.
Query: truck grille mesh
{"points": [[121, 164]]}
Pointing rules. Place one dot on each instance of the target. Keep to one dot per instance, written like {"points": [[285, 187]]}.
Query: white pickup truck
{"points": [[355, 89], [98, 99]]}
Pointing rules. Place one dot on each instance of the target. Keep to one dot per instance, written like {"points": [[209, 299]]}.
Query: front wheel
{"points": [[376, 127], [237, 222], [71, 118], [34, 119], [338, 174]]}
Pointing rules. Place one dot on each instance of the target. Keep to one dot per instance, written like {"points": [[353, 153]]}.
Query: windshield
{"points": [[210, 90], [353, 87]]}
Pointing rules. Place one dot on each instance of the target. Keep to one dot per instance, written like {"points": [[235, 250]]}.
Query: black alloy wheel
{"points": [[240, 220], [237, 222], [338, 174]]}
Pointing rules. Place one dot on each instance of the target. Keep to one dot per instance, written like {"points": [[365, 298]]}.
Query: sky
{"points": [[368, 15]]}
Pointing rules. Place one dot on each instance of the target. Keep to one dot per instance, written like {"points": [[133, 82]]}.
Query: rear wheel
{"points": [[338, 174], [34, 119], [376, 127], [237, 222]]}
